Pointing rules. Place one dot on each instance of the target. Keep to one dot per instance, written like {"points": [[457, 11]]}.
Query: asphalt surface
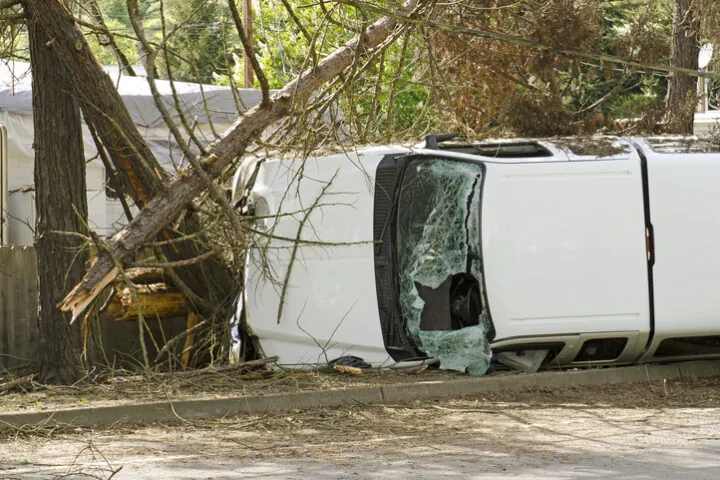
{"points": [[650, 430]]}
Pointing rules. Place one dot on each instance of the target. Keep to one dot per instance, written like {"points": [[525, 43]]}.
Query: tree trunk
{"points": [[141, 175], [61, 205], [682, 89], [166, 206]]}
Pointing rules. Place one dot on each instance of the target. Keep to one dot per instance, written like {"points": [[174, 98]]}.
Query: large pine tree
{"points": [[682, 90], [61, 205]]}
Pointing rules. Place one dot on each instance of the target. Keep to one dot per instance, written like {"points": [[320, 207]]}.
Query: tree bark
{"points": [[167, 205], [139, 172], [682, 89], [61, 206]]}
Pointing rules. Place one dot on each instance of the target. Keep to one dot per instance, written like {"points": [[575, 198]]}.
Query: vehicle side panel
{"points": [[564, 248], [685, 212], [328, 298]]}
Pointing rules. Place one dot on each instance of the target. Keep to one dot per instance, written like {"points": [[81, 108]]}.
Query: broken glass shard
{"points": [[439, 264]]}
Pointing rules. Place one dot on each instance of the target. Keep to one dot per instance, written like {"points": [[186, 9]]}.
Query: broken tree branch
{"points": [[108, 38], [141, 175], [164, 207], [17, 383], [250, 53]]}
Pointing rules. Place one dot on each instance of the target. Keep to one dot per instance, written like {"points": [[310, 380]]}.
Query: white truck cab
{"points": [[592, 250]]}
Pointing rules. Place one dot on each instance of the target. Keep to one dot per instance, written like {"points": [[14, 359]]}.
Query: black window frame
{"points": [[389, 176]]}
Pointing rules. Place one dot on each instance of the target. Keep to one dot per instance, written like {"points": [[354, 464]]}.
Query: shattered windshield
{"points": [[439, 264]]}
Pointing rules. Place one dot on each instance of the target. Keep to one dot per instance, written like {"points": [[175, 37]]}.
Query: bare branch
{"points": [[110, 38], [394, 86], [179, 263], [112, 175], [151, 53], [250, 53], [162, 209], [176, 99], [303, 30], [296, 244], [177, 338]]}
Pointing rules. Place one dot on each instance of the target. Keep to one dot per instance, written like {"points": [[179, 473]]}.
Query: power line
{"points": [[189, 26], [502, 37]]}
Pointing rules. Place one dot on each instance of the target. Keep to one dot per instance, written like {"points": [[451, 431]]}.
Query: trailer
{"points": [[212, 107]]}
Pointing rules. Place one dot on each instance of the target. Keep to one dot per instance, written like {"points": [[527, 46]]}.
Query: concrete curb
{"points": [[390, 393]]}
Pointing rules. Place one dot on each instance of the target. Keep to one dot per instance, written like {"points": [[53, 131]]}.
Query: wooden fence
{"points": [[19, 328], [18, 305], [19, 332]]}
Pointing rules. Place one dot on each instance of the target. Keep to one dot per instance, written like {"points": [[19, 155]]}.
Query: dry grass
{"points": [[208, 383]]}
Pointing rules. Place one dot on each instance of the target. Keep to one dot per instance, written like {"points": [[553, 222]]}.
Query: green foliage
{"points": [[431, 80], [104, 54], [116, 10], [638, 30], [195, 39], [389, 103], [193, 30], [284, 50]]}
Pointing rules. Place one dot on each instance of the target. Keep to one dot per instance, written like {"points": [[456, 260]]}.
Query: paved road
{"points": [[640, 432]]}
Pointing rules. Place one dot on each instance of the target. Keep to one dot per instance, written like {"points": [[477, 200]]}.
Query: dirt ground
{"points": [[207, 383], [638, 431]]}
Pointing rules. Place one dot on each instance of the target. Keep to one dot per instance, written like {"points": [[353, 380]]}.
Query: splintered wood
{"points": [[192, 320], [163, 209], [155, 297], [155, 301]]}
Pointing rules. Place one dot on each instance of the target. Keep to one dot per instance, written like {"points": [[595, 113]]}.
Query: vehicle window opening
{"points": [[531, 351], [689, 346], [448, 142], [500, 150], [455, 304], [523, 360], [439, 271], [601, 349]]}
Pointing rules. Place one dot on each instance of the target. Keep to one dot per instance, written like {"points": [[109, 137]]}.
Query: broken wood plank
{"points": [[17, 383], [156, 301], [192, 321], [146, 275]]}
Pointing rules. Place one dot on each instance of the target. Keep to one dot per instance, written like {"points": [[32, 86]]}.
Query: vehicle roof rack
{"points": [[432, 141]]}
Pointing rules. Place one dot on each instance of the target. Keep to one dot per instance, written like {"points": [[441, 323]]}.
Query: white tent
{"points": [[210, 107]]}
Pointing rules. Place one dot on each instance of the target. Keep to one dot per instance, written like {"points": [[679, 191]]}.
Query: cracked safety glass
{"points": [[439, 264]]}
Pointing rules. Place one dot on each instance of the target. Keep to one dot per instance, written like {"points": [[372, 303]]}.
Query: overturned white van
{"points": [[586, 251]]}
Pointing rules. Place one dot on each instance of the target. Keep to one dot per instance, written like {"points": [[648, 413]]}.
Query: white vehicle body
{"points": [[606, 258]]}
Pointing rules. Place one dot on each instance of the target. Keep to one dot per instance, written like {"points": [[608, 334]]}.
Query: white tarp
{"points": [[218, 104], [210, 107]]}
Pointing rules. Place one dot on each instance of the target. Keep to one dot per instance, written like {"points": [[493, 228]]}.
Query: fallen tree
{"points": [[167, 204], [207, 282]]}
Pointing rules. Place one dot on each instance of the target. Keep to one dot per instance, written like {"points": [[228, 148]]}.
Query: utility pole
{"points": [[247, 20]]}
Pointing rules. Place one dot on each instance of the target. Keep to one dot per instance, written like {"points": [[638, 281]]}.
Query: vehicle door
{"points": [[565, 248]]}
